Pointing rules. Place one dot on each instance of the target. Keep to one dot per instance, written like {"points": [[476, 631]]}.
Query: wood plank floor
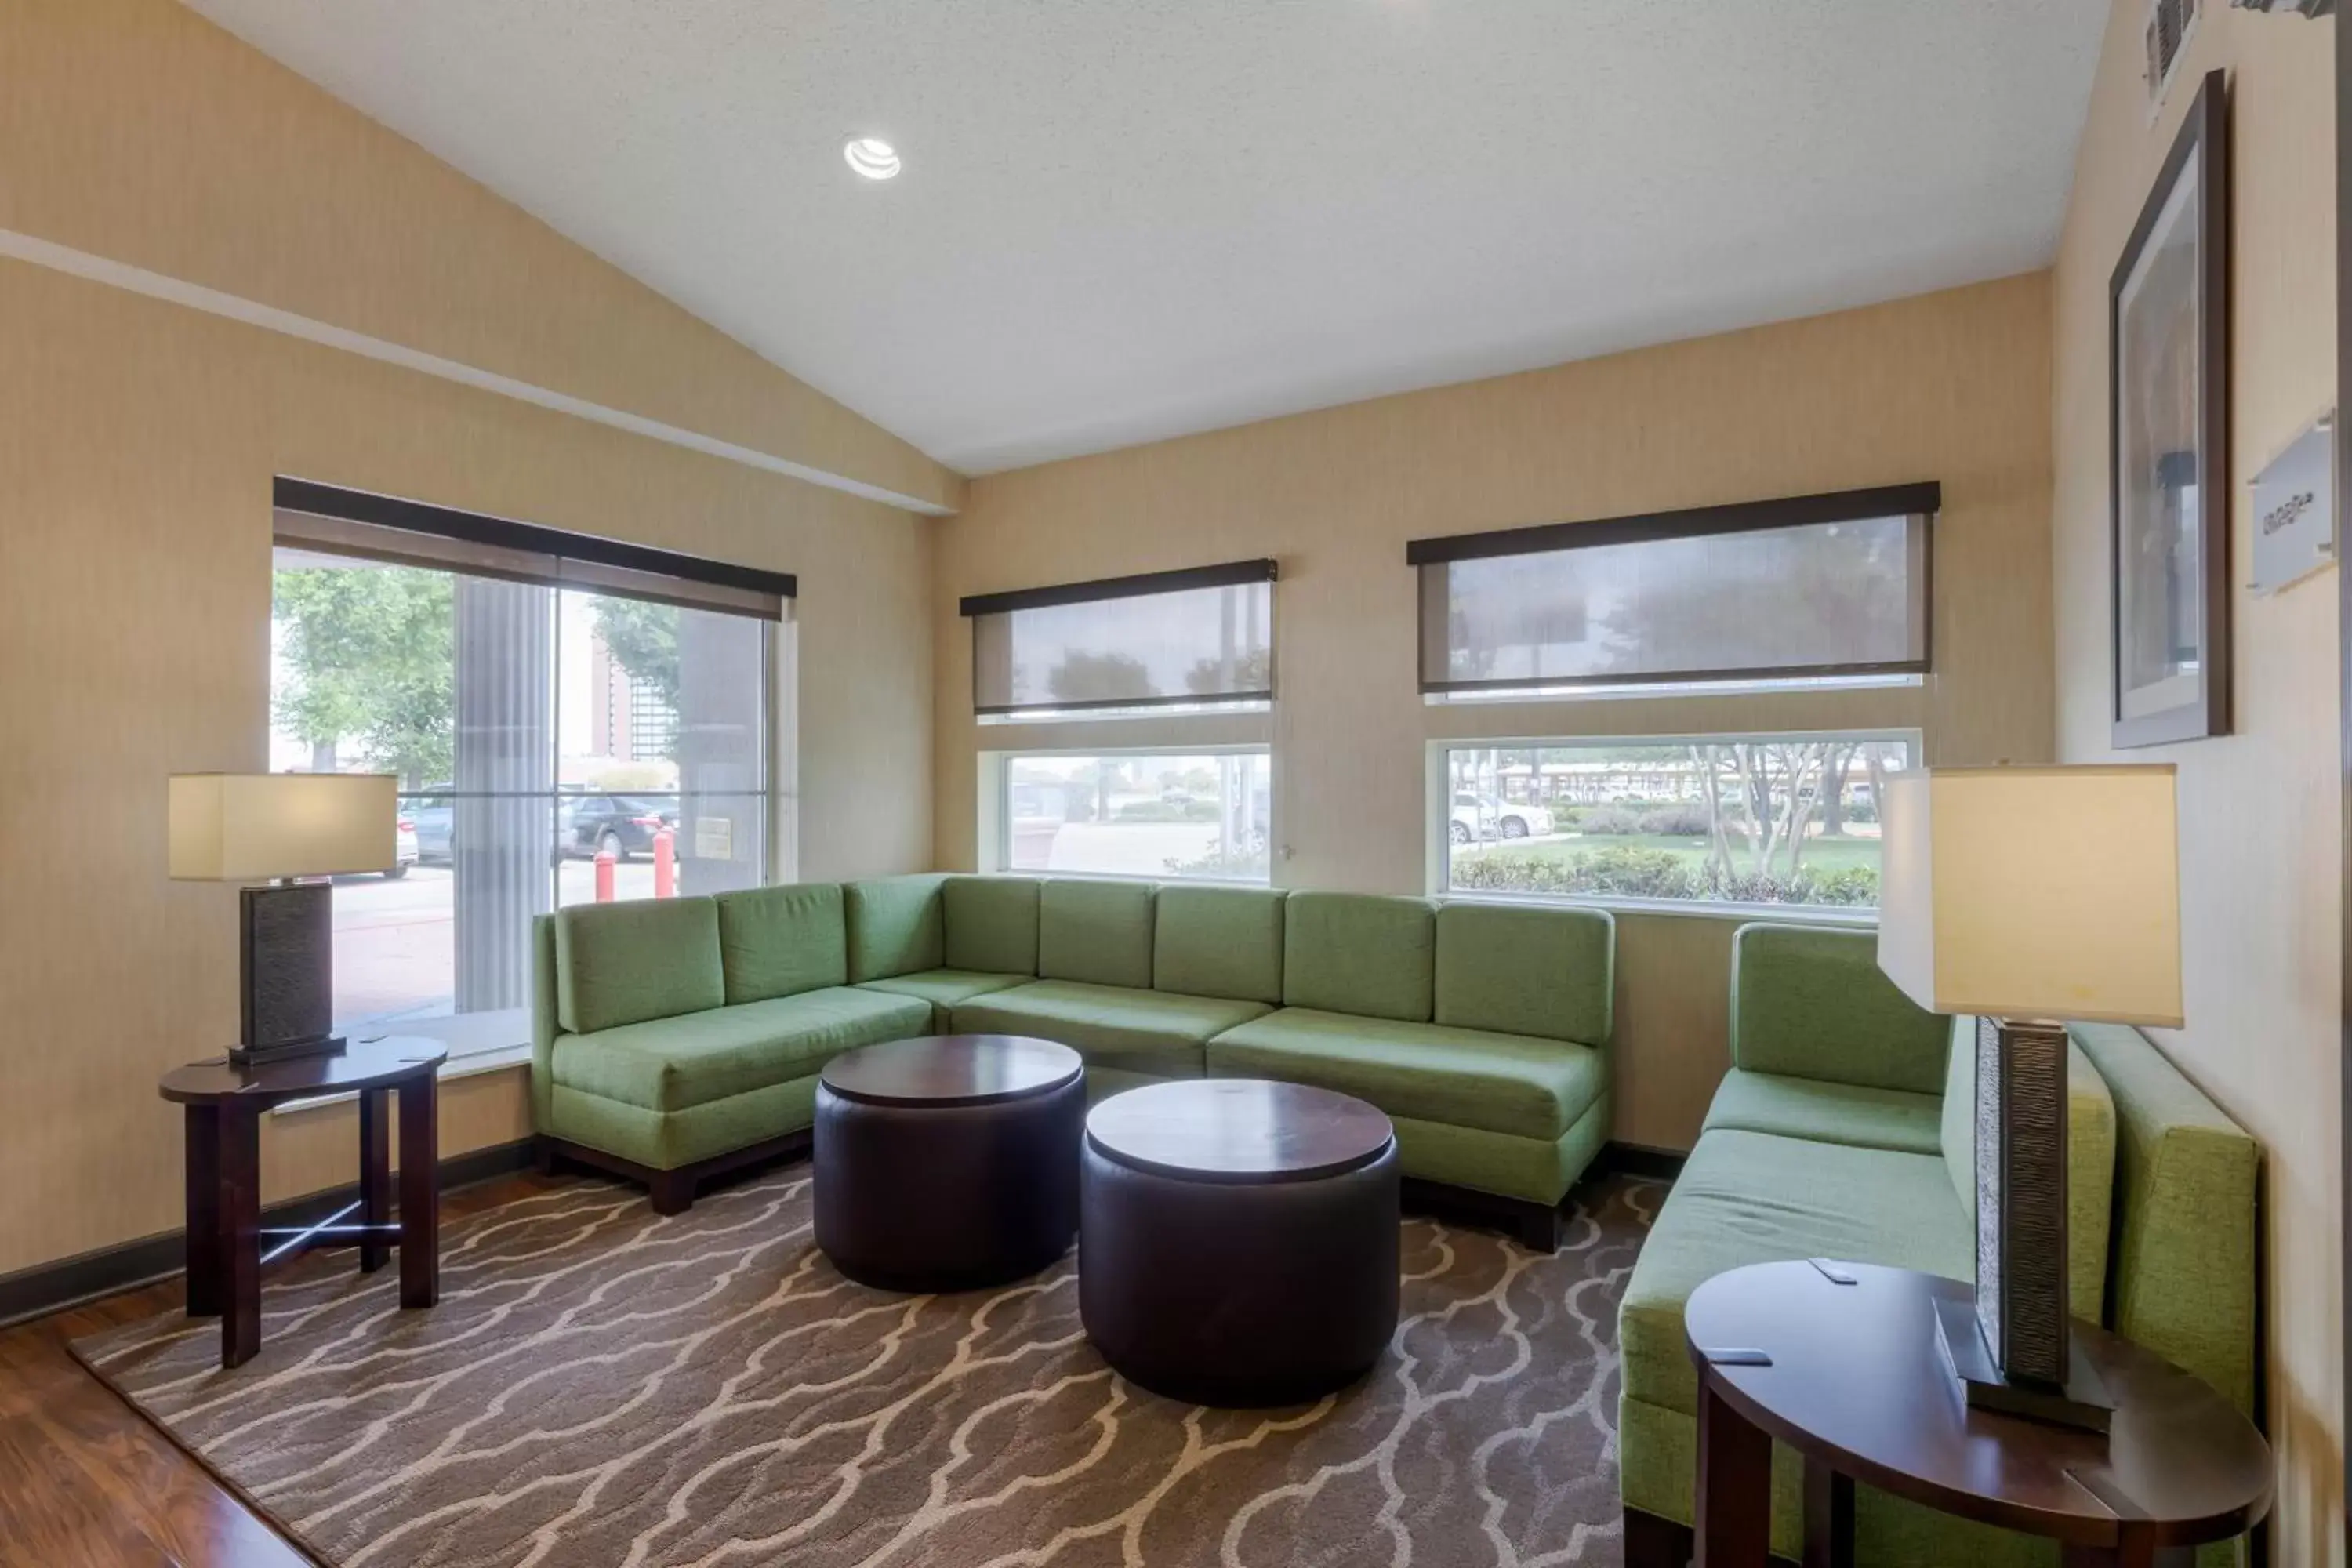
{"points": [[85, 1482]]}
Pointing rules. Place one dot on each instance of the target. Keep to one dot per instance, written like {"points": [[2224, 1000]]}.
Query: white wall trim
{"points": [[213, 301]]}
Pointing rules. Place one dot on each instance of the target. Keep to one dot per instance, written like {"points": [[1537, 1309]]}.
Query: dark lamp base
{"points": [[2082, 1402], [285, 1051]]}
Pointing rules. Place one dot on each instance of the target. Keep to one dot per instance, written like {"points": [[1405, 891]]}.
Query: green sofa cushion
{"points": [[1099, 933], [1517, 969], [1516, 1084], [780, 941], [671, 1064], [2090, 1162], [894, 926], [648, 958], [1810, 1002], [943, 988], [1219, 942], [1145, 1031], [1751, 1197], [1828, 1112], [1366, 953], [2185, 1217], [991, 924]]}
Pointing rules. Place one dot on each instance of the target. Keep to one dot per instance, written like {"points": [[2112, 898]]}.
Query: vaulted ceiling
{"points": [[1125, 219]]}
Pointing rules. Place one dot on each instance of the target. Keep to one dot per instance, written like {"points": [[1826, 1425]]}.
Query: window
{"points": [[570, 721], [1192, 640], [1732, 819], [1820, 589], [1170, 816]]}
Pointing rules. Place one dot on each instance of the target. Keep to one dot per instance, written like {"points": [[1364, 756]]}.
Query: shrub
{"points": [[1609, 820], [1685, 819]]}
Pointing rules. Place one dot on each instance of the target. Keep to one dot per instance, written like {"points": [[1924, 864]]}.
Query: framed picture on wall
{"points": [[2169, 422]]}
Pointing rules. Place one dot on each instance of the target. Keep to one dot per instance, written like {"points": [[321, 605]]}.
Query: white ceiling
{"points": [[1126, 219]]}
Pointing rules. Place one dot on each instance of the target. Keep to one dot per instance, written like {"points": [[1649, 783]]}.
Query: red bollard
{"points": [[665, 863], [605, 862]]}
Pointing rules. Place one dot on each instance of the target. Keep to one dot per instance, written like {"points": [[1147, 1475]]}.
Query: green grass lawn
{"points": [[1823, 855]]}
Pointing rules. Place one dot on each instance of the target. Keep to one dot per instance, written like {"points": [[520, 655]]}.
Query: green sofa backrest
{"points": [[2182, 1269], [781, 941], [623, 963], [1094, 931], [991, 923], [1518, 969], [1810, 1002], [2090, 1160], [1366, 953], [1219, 942], [894, 926]]}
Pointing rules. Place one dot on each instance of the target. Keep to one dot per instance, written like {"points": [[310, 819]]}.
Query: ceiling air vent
{"points": [[2170, 25]]}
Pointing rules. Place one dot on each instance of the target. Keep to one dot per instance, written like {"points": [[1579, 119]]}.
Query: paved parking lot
{"points": [[396, 941]]}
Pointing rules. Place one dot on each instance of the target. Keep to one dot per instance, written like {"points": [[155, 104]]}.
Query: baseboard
{"points": [[1641, 1160], [48, 1288]]}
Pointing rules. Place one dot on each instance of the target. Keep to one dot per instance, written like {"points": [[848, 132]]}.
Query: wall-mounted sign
{"points": [[714, 838], [2295, 511]]}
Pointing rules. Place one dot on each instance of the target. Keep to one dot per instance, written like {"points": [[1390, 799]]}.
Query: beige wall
{"points": [[138, 132], [138, 440], [2259, 826], [1951, 386]]}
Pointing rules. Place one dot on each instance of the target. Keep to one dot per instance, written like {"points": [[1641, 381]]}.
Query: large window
{"points": [[1820, 589], [1188, 815], [1759, 819], [564, 729], [1198, 640]]}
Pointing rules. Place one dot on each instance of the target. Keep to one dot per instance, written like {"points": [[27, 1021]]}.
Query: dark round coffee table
{"points": [[1238, 1239], [1850, 1376], [950, 1163]]}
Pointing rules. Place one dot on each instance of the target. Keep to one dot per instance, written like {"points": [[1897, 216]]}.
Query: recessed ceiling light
{"points": [[871, 156]]}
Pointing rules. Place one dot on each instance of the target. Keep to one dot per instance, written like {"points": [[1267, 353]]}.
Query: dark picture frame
{"points": [[2169, 445]]}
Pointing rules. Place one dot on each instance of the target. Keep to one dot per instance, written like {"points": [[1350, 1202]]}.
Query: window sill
{"points": [[472, 1065], [1689, 909]]}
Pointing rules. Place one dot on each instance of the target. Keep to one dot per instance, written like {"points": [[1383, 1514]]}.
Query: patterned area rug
{"points": [[603, 1387]]}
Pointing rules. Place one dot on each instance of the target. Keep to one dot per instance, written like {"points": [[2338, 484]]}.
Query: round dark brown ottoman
{"points": [[1238, 1239], [949, 1163]]}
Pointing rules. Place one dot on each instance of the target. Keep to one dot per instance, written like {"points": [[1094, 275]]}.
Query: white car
{"points": [[1475, 818]]}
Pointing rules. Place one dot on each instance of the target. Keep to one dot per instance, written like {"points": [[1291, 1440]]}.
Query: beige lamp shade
{"points": [[2034, 893], [249, 828]]}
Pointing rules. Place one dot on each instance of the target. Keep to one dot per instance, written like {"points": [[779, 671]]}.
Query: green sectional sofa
{"points": [[673, 1040], [1845, 1129]]}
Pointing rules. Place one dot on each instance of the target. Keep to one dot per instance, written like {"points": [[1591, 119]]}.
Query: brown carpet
{"points": [[600, 1387]]}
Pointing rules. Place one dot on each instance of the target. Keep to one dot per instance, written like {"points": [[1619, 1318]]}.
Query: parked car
{"points": [[435, 817], [624, 824], [1474, 817], [404, 848]]}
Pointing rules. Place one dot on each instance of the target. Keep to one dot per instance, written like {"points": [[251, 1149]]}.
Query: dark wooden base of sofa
{"points": [[1535, 1226], [1655, 1542], [673, 1190]]}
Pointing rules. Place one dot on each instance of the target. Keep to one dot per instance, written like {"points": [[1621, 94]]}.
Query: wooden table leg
{"points": [[1735, 1486], [239, 1233], [1829, 1517], [202, 1141], [375, 1174], [420, 1193]]}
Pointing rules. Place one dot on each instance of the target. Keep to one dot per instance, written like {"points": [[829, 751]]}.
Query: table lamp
{"points": [[274, 827], [2029, 897]]}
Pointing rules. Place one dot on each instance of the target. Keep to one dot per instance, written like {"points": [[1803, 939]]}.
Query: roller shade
{"points": [[1202, 637], [1814, 586], [338, 521]]}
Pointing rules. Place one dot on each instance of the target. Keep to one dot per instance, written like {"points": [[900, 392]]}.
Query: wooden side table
{"points": [[1850, 1376], [223, 1106]]}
